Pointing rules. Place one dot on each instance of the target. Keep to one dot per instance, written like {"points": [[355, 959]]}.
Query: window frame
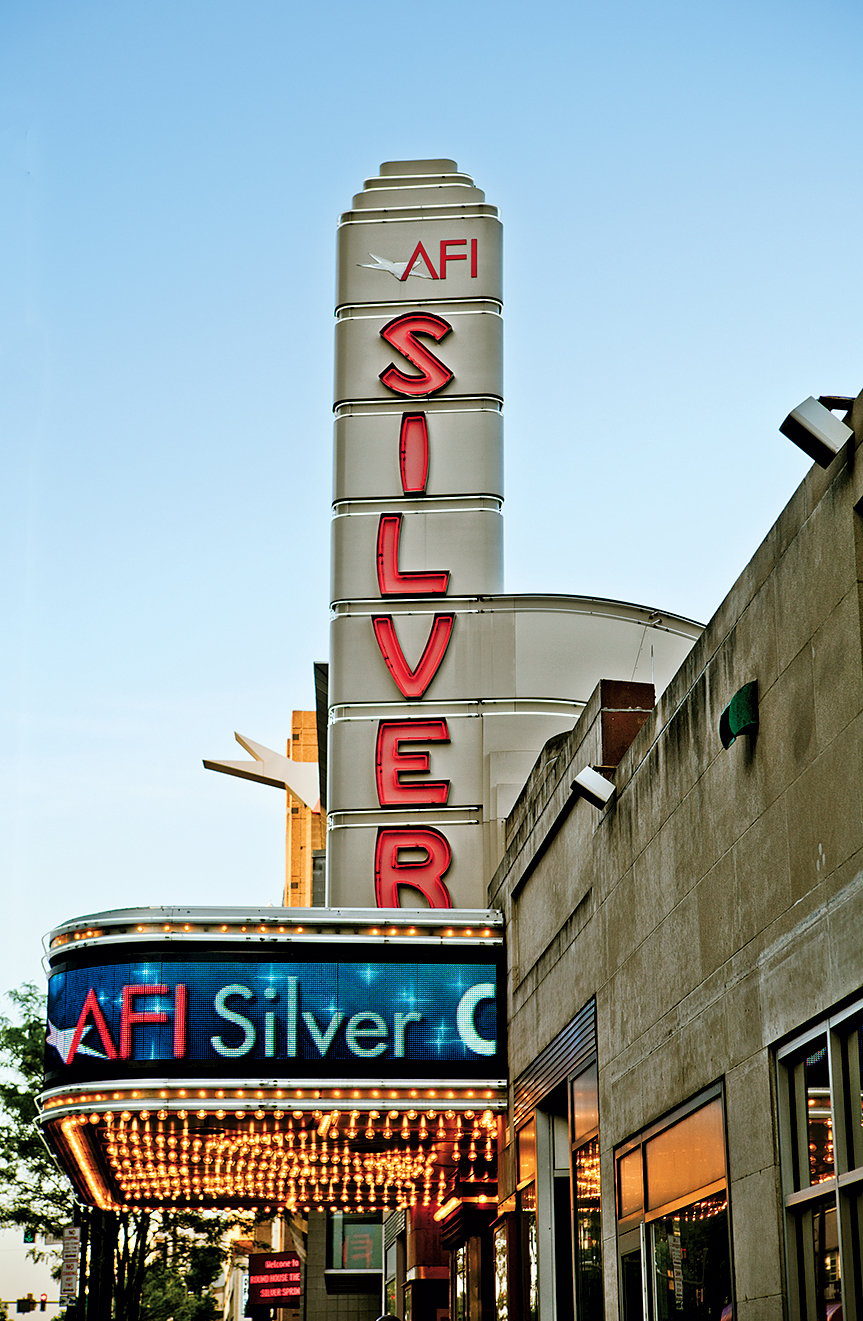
{"points": [[843, 1190], [635, 1230]]}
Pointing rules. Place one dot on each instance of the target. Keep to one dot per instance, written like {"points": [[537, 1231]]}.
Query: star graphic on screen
{"points": [[61, 1039]]}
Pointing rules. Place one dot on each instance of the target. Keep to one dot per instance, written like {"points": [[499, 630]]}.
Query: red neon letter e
{"points": [[391, 763], [425, 875], [402, 333]]}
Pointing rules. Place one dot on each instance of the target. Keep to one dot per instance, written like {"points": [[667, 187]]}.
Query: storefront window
{"points": [[671, 1189], [819, 1077]]}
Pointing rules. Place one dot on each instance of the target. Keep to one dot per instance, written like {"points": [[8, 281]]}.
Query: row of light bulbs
{"points": [[295, 1160]]}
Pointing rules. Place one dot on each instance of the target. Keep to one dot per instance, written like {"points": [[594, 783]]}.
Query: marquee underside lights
{"points": [[228, 1061], [372, 1159]]}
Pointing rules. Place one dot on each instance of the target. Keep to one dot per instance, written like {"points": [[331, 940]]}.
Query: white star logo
{"points": [[61, 1039], [396, 268]]}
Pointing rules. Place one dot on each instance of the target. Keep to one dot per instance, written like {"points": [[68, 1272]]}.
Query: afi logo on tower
{"points": [[420, 265]]}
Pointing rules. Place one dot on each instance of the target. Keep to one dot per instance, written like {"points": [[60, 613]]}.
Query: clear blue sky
{"points": [[680, 185]]}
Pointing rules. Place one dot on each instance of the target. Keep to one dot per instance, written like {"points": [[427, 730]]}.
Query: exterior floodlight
{"points": [[815, 430], [593, 786]]}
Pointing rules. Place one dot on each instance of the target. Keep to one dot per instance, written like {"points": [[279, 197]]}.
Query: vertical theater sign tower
{"points": [[352, 1058], [442, 689]]}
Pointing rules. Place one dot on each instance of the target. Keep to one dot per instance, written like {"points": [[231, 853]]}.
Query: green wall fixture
{"points": [[740, 715]]}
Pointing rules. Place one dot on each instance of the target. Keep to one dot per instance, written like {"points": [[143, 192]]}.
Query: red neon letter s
{"points": [[391, 580], [425, 875], [391, 763], [402, 333], [413, 683]]}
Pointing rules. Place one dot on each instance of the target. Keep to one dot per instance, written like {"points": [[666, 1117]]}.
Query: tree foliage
{"points": [[143, 1266], [35, 1194]]}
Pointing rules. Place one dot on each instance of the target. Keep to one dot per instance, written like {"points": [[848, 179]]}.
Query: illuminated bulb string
{"points": [[296, 1160]]}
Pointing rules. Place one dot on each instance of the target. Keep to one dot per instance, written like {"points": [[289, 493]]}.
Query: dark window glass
{"points": [[692, 1277], [630, 1286]]}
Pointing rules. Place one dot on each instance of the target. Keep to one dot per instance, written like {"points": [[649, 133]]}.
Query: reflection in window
{"points": [[692, 1275], [585, 1103], [460, 1283], [501, 1278], [527, 1151], [630, 1184], [825, 1244], [688, 1155], [532, 1269], [356, 1242], [819, 1116], [588, 1231]]}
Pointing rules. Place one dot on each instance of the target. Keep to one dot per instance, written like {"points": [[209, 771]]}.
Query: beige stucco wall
{"points": [[717, 903]]}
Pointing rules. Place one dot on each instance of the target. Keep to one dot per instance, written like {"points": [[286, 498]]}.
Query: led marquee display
{"points": [[366, 1012], [274, 1058]]}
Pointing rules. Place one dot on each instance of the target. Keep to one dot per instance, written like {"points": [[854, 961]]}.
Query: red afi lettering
{"points": [[426, 874], [129, 1016], [391, 763], [413, 682], [91, 1008], [181, 1002], [402, 333], [446, 256], [391, 580], [419, 251]]}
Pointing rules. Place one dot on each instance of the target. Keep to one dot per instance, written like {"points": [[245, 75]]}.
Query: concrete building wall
{"points": [[716, 904]]}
